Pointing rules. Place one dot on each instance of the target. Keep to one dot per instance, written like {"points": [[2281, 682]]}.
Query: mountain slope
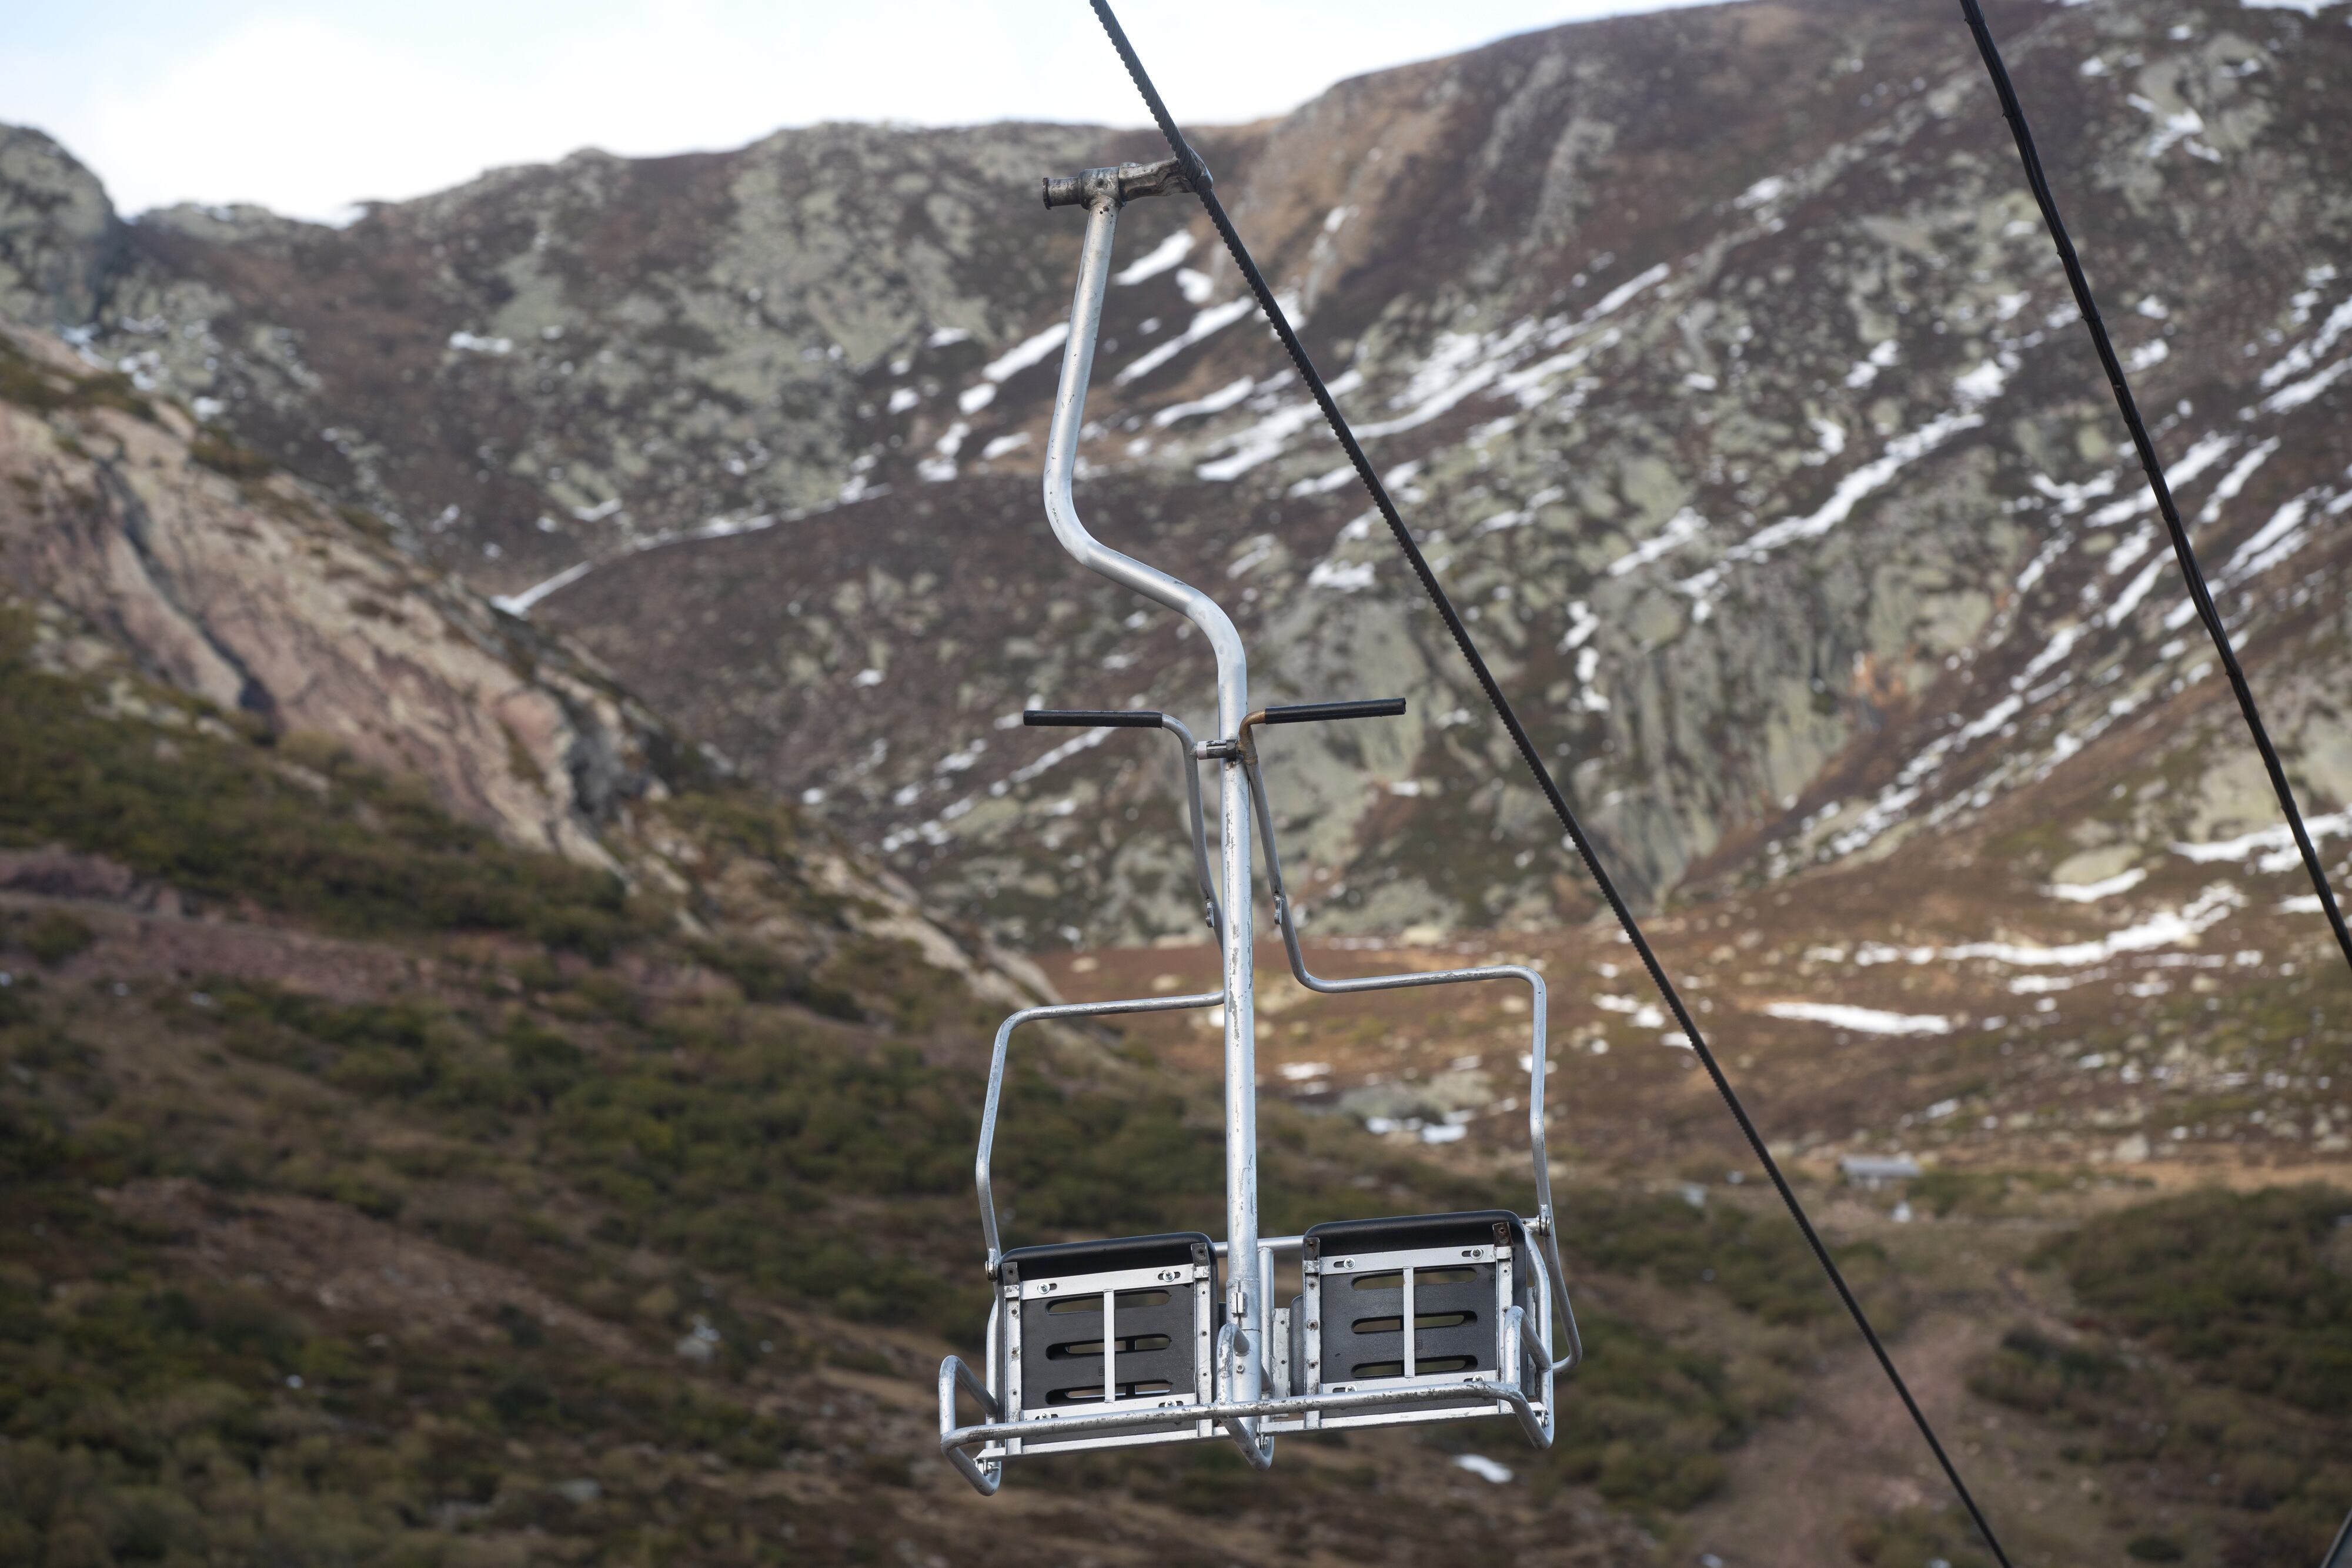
{"points": [[1715, 353]]}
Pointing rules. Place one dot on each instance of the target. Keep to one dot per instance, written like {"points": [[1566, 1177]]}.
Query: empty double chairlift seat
{"points": [[1099, 1326], [1417, 1301]]}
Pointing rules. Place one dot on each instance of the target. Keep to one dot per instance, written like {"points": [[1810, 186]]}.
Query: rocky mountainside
{"points": [[1716, 354], [450, 1117], [149, 556]]}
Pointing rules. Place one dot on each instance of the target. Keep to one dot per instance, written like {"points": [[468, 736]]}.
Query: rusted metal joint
{"points": [[1118, 185]]}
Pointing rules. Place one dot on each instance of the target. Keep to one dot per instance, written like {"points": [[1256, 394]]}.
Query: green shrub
{"points": [[213, 817], [219, 451], [1914, 1537], [53, 937], [2236, 1285]]}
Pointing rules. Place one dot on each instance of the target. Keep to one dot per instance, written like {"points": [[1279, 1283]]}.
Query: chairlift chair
{"points": [[1176, 1338]]}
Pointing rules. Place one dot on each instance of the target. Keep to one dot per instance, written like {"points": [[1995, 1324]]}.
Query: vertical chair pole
{"points": [[1101, 192]]}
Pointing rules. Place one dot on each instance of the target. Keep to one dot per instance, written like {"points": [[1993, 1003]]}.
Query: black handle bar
{"points": [[1090, 718], [1312, 713]]}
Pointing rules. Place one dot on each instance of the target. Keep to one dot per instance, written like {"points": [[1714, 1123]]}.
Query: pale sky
{"points": [[310, 107]]}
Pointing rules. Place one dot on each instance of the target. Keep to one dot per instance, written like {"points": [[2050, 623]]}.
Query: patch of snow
{"points": [[1486, 1469], [2300, 392], [1217, 401], [1262, 442], [1901, 451], [1216, 318], [2092, 892], [1862, 1020], [2172, 128], [2201, 456], [2274, 541], [1085, 740], [2161, 930], [1342, 577], [1157, 260], [1865, 370], [1981, 384], [520, 604], [1025, 353], [2072, 498], [2134, 591], [1459, 364], [2299, 359], [1627, 290], [1680, 529], [1323, 483], [2278, 841], [2235, 479]]}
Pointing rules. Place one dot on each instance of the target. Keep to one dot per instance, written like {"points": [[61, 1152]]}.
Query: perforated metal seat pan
{"points": [[1105, 1322], [1350, 1330]]}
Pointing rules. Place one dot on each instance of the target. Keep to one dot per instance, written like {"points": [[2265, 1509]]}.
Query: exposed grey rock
{"points": [[58, 234], [1716, 355]]}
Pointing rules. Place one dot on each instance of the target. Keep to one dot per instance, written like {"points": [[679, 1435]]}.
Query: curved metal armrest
{"points": [[996, 1084], [985, 1478], [1575, 1356], [1539, 1431], [1538, 1009]]}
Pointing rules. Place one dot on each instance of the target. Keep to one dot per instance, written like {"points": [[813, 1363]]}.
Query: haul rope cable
{"points": [[2182, 551], [1197, 174]]}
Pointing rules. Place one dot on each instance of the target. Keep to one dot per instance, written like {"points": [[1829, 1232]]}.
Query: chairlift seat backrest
{"points": [[1103, 1325], [1417, 1299]]}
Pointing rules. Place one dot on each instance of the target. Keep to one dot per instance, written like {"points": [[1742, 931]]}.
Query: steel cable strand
{"points": [[2182, 550], [1280, 321]]}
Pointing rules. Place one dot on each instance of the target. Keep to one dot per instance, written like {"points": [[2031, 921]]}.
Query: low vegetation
{"points": [[2211, 1358], [711, 1177]]}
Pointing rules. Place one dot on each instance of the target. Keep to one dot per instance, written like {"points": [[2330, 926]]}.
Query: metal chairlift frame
{"points": [[1255, 1368]]}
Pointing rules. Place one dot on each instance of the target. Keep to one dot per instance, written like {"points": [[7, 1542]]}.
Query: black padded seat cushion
{"points": [[1067, 1260], [1416, 1232]]}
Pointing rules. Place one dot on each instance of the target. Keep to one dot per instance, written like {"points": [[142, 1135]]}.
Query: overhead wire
{"points": [[2182, 550], [1197, 176]]}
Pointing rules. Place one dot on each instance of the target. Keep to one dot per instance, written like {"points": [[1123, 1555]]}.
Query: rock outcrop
{"points": [[1718, 355]]}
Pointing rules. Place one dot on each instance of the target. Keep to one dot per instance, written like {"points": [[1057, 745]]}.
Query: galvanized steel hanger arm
{"points": [[1102, 191], [1139, 1339]]}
